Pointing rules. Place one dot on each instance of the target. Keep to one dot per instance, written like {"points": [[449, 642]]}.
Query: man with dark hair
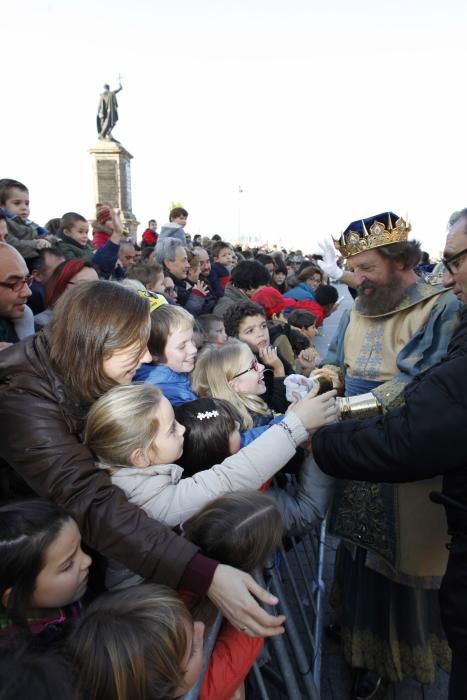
{"points": [[418, 440], [247, 278], [390, 562]]}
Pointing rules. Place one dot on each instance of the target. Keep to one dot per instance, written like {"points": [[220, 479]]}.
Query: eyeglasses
{"points": [[448, 262], [18, 284], [254, 366]]}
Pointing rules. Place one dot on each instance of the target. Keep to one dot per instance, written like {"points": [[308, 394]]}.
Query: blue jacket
{"points": [[105, 259], [261, 423], [301, 292], [176, 386]]}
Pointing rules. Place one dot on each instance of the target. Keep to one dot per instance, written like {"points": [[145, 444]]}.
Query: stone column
{"points": [[112, 180]]}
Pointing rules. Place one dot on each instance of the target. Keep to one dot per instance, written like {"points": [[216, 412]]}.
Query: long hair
{"points": [[216, 368], [91, 321], [121, 421], [27, 528], [209, 424], [241, 529], [131, 644]]}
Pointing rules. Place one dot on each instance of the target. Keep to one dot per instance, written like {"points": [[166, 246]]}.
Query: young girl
{"points": [[43, 570], [133, 432], [244, 529], [233, 373], [212, 434], [137, 643], [173, 354]]}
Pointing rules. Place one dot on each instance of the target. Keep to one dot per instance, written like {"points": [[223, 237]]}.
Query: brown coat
{"points": [[40, 428]]}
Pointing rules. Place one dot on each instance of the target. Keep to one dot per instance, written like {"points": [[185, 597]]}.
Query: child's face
{"points": [[78, 232], [17, 203], [234, 439], [158, 285], [121, 365], [167, 446], [217, 333], [180, 220], [279, 277], [224, 257], [249, 378], [64, 577], [254, 331], [180, 351], [309, 332], [193, 659]]}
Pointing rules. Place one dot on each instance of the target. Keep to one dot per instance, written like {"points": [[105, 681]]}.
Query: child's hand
{"points": [[201, 287], [42, 243], [268, 357], [307, 359], [315, 411]]}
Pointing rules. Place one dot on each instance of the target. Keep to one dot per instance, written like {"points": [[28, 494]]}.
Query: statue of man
{"points": [[107, 113]]}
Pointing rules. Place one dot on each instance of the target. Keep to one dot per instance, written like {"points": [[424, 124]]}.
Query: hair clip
{"points": [[207, 414]]}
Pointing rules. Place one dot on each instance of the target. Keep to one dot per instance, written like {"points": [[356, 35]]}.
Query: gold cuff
{"points": [[361, 406]]}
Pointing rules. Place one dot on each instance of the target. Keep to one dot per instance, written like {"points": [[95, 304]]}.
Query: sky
{"points": [[268, 120]]}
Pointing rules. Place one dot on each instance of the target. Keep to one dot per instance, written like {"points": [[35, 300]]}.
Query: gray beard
{"points": [[383, 299]]}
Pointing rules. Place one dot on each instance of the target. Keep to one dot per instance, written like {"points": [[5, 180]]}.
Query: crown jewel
{"points": [[353, 242]]}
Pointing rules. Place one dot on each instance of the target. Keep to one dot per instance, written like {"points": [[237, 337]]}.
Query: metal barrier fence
{"points": [[289, 666]]}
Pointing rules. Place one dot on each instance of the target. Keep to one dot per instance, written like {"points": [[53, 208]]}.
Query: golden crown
{"points": [[353, 242]]}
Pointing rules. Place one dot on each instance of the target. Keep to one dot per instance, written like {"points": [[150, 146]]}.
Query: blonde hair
{"points": [[165, 320], [122, 421], [213, 373], [131, 644]]}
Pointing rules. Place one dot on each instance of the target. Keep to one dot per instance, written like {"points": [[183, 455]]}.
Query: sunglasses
{"points": [[253, 367]]}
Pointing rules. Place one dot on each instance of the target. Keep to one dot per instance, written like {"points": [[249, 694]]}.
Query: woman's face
{"points": [[279, 277], [87, 274], [249, 377], [121, 365]]}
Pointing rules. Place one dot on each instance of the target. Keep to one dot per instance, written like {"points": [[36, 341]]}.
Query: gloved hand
{"points": [[329, 262]]}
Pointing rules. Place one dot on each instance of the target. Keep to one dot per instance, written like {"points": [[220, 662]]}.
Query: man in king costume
{"points": [[393, 552]]}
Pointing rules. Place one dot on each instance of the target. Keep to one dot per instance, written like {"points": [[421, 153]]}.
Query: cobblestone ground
{"points": [[335, 674]]}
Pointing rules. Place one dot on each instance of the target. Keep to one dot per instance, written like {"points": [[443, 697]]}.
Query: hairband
{"points": [[207, 414]]}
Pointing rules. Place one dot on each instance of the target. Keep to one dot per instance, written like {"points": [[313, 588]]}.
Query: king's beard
{"points": [[381, 299]]}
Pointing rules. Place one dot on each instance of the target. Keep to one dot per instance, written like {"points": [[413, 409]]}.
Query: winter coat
{"points": [[149, 238], [193, 300], [105, 260], [300, 292], [162, 493], [176, 386], [172, 231], [43, 453], [70, 249], [223, 274], [23, 235]]}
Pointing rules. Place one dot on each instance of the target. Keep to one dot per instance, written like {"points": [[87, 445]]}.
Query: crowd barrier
{"points": [[289, 666]]}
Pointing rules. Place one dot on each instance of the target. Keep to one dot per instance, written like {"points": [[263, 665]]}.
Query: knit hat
{"points": [[103, 215], [272, 301]]}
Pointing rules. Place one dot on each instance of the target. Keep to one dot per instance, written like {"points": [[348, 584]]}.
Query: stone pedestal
{"points": [[112, 180]]}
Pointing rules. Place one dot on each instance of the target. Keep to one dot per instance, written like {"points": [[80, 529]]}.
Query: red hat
{"points": [[272, 301], [103, 215]]}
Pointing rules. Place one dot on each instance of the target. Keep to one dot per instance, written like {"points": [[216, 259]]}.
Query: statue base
{"points": [[112, 180]]}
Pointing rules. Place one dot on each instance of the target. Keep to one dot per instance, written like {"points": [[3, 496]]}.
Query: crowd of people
{"points": [[149, 394]]}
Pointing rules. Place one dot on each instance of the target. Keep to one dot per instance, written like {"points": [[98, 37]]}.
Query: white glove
{"points": [[297, 386], [329, 263]]}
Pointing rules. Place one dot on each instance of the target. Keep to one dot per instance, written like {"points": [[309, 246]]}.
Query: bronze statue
{"points": [[107, 113]]}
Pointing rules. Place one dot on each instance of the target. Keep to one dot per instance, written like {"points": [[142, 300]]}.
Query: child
{"points": [[23, 234], [214, 329], [173, 354], [150, 273], [222, 261], [176, 226], [150, 235], [212, 433], [137, 643], [133, 433], [43, 570], [246, 321], [74, 242], [104, 225]]}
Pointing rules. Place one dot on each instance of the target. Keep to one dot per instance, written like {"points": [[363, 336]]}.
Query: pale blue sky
{"points": [[323, 113]]}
